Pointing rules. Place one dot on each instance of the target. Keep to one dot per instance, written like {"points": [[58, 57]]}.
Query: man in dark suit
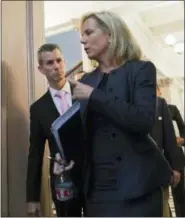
{"points": [[176, 116], [179, 191], [164, 135], [42, 114]]}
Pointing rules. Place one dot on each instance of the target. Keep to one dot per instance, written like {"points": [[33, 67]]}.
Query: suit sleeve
{"points": [[169, 139], [180, 122], [138, 116], [35, 158]]}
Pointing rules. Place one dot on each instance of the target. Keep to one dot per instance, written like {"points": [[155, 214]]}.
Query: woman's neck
{"points": [[106, 65]]}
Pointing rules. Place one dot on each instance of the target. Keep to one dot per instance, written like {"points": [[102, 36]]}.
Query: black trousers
{"points": [[179, 197], [72, 208], [150, 205]]}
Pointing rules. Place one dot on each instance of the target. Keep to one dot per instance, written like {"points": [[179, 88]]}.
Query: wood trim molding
{"points": [[4, 156], [22, 34], [30, 52], [40, 83]]}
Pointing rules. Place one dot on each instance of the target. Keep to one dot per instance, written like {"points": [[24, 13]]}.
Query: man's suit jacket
{"points": [[129, 106], [42, 114], [176, 116], [164, 134]]}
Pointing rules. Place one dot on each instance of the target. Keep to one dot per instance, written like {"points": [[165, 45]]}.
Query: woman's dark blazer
{"points": [[129, 106]]}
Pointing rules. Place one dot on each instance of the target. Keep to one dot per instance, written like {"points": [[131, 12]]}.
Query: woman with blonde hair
{"points": [[124, 170]]}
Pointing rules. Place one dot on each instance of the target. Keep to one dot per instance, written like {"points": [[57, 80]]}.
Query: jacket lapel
{"points": [[50, 106], [158, 105]]}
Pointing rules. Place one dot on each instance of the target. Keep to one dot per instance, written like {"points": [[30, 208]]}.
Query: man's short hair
{"points": [[48, 47]]}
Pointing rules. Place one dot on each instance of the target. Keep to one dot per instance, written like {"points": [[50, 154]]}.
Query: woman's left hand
{"points": [[80, 91]]}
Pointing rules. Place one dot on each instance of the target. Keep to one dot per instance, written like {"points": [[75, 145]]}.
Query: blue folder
{"points": [[60, 122]]}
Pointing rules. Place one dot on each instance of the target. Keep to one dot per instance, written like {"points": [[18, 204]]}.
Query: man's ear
{"points": [[40, 69]]}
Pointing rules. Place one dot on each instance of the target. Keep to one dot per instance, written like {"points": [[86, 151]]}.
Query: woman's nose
{"points": [[82, 40]]}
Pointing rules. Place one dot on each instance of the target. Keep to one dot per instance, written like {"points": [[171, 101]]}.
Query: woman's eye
{"points": [[89, 32]]}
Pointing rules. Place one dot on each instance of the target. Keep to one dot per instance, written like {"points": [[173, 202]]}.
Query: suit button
{"points": [[118, 158], [113, 135], [110, 89]]}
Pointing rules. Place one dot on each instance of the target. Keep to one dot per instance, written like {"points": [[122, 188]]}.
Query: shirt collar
{"points": [[65, 88]]}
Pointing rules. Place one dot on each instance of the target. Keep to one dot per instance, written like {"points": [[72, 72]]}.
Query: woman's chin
{"points": [[90, 56]]}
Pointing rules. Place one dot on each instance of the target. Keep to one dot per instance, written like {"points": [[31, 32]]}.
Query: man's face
{"points": [[53, 66]]}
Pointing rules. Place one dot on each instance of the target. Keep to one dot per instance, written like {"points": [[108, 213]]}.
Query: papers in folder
{"points": [[60, 121]]}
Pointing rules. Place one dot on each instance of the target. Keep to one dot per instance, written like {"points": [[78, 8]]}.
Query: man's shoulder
{"points": [[162, 103], [173, 109], [160, 100], [39, 102], [171, 106]]}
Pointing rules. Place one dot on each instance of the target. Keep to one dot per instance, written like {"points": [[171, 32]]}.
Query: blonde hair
{"points": [[123, 47]]}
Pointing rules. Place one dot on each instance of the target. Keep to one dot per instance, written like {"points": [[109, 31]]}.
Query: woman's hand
{"points": [[80, 91]]}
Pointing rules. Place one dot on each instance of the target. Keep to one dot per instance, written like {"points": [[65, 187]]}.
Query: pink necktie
{"points": [[63, 104]]}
